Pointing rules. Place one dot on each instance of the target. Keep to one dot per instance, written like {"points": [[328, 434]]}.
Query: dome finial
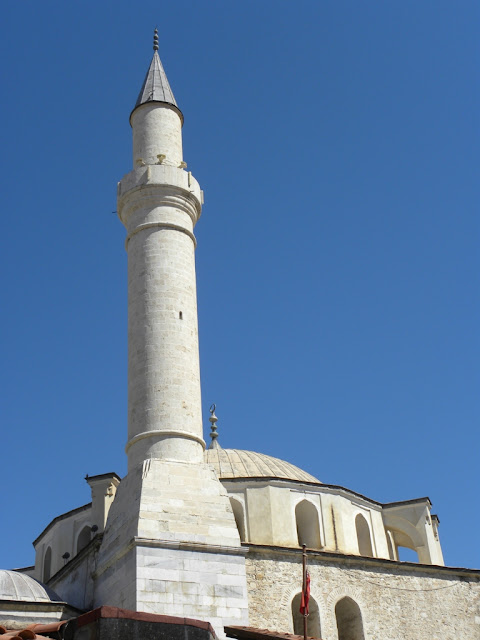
{"points": [[213, 433], [155, 39]]}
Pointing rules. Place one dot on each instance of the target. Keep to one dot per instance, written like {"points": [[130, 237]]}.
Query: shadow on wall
{"points": [[363, 536], [349, 620], [237, 509], [84, 538], [313, 620], [308, 529], [47, 565]]}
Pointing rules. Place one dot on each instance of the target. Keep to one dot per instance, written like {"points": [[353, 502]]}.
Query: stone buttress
{"points": [[171, 545]]}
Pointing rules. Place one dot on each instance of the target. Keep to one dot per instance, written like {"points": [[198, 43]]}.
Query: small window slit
{"points": [[180, 315]]}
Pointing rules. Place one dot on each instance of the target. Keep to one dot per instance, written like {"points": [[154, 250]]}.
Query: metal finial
{"points": [[155, 39], [213, 433]]}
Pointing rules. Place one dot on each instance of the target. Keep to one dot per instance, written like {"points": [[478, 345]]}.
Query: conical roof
{"points": [[156, 87]]}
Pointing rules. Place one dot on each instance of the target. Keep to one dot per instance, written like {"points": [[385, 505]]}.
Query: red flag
{"points": [[305, 597]]}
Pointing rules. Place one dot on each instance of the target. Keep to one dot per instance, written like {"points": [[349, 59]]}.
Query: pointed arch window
{"points": [[314, 629], [349, 620], [363, 536]]}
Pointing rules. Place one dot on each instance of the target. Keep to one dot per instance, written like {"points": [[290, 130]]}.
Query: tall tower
{"points": [[171, 545], [159, 203]]}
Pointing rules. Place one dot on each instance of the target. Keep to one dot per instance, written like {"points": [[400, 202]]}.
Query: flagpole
{"points": [[304, 589]]}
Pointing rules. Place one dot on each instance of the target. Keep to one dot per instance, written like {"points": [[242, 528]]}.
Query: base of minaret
{"points": [[171, 546]]}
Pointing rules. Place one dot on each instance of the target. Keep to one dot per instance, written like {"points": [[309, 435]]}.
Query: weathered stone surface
{"points": [[397, 601]]}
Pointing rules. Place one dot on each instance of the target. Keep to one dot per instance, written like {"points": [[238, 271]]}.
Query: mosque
{"points": [[199, 541]]}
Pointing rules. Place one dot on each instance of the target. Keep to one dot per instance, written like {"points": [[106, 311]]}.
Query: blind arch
{"points": [[308, 528]]}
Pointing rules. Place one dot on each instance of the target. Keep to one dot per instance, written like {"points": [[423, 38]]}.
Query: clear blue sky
{"points": [[338, 146]]}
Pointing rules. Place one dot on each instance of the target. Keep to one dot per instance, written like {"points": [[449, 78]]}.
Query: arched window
{"points": [[349, 620], [47, 565], [239, 519], [84, 538], [308, 529], [313, 619], [363, 536]]}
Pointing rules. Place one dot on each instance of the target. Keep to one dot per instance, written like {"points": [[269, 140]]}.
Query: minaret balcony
{"points": [[159, 174]]}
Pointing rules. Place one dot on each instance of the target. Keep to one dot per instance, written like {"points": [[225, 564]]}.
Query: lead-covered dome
{"points": [[21, 587], [235, 463]]}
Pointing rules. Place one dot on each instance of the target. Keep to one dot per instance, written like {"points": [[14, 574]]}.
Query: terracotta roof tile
{"points": [[115, 612], [32, 632]]}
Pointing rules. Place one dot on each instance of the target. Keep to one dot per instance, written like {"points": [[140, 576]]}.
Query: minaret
{"points": [[171, 545], [159, 203]]}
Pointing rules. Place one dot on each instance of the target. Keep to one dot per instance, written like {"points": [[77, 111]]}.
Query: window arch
{"points": [[363, 536], [404, 547], [407, 554], [47, 565], [84, 538], [308, 529], [314, 629], [349, 620], [237, 509]]}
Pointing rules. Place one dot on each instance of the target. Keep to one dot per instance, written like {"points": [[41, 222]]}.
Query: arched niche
{"points": [[406, 549], [406, 534], [84, 538], [349, 620], [363, 536], [314, 628], [237, 509], [47, 565], [308, 529]]}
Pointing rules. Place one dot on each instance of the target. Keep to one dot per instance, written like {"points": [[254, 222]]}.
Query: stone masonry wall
{"points": [[397, 601]]}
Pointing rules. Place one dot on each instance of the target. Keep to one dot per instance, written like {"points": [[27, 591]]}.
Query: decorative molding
{"points": [[189, 546], [162, 434]]}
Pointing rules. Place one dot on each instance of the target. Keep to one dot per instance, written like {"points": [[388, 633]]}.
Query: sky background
{"points": [[338, 146]]}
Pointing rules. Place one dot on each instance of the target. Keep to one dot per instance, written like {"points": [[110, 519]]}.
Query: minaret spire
{"points": [[213, 433], [156, 87]]}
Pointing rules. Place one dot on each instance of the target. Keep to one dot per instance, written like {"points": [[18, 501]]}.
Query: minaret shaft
{"points": [[156, 130], [159, 204]]}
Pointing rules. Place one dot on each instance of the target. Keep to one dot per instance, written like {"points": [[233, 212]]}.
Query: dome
{"points": [[21, 587], [234, 463]]}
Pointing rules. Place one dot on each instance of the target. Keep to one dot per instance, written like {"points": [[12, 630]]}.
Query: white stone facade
{"points": [[171, 545], [61, 536], [289, 513], [71, 532]]}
